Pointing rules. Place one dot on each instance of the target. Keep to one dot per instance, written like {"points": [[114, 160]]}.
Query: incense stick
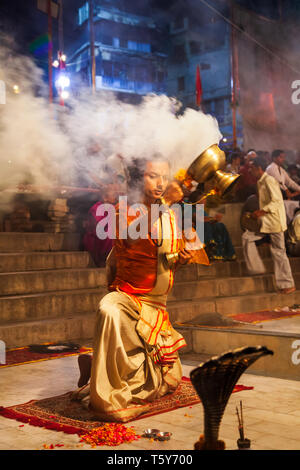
{"points": [[240, 420]]}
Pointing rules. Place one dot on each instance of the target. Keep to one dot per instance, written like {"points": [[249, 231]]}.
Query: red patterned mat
{"points": [[61, 414], [264, 315], [19, 356]]}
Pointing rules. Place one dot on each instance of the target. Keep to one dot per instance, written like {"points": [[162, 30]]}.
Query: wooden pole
{"points": [[92, 44], [50, 51], [233, 79], [61, 45]]}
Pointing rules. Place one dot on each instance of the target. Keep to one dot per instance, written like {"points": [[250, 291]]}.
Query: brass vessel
{"points": [[208, 165], [225, 181]]}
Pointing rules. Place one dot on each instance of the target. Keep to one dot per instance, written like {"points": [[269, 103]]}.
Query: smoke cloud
{"points": [[55, 145]]}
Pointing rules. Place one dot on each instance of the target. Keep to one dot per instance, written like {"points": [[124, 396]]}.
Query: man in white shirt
{"points": [[273, 222], [276, 170]]}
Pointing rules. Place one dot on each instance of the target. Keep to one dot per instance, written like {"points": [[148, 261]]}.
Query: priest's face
{"points": [[156, 179]]}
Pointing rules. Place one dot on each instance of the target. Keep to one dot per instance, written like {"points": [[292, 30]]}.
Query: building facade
{"points": [[128, 57], [197, 36], [141, 49]]}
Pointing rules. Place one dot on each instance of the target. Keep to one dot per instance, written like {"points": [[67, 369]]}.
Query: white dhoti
{"points": [[254, 263]]}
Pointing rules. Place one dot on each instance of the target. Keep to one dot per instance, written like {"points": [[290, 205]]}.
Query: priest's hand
{"points": [[184, 256], [172, 194]]}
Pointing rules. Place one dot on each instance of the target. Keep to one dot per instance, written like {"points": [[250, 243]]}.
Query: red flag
{"points": [[198, 87]]}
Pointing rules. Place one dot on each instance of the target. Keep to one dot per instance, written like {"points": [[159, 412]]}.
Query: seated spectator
{"points": [[293, 172], [234, 163], [116, 174], [247, 184], [217, 241], [99, 249], [289, 188]]}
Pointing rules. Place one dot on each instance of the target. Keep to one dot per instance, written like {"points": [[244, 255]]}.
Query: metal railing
{"points": [[130, 85]]}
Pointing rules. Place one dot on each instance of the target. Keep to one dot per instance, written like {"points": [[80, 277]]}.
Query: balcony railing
{"points": [[132, 86]]}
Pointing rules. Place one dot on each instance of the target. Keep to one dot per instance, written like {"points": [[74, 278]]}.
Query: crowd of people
{"points": [[115, 181], [287, 174]]}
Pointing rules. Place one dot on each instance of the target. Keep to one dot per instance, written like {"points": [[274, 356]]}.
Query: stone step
{"points": [[12, 242], [264, 251], [14, 262], [220, 287], [283, 363], [225, 287], [184, 311], [79, 322], [187, 300], [67, 328], [49, 305], [226, 269], [30, 282]]}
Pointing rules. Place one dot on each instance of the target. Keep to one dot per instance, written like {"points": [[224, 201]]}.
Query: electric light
{"points": [[62, 82], [64, 94]]}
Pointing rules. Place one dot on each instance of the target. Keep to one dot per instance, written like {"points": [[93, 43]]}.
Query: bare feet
{"points": [[85, 365], [288, 290]]}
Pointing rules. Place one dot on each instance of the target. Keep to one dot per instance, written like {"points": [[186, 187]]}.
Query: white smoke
{"points": [[50, 145], [33, 148]]}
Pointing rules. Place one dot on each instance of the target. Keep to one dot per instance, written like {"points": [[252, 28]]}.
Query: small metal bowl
{"points": [[151, 433], [163, 436]]}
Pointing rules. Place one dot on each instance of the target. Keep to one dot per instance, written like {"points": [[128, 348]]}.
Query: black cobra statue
{"points": [[214, 382]]}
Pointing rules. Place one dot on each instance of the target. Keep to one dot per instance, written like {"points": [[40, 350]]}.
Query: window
{"points": [[123, 42], [108, 40], [83, 13], [179, 22], [160, 76], [208, 106], [213, 43], [179, 53], [132, 45], [107, 68], [139, 46], [180, 83], [195, 47], [219, 107], [144, 47]]}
